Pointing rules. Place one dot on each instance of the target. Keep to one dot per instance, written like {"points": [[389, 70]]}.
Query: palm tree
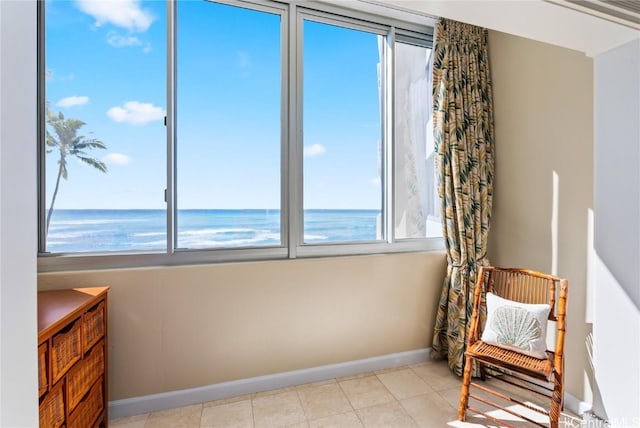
{"points": [[65, 138]]}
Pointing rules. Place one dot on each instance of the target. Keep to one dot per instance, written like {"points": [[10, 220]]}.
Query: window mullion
{"points": [[295, 196], [285, 121], [170, 192], [42, 100], [388, 140]]}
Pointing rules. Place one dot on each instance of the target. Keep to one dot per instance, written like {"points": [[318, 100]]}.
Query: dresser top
{"points": [[56, 306]]}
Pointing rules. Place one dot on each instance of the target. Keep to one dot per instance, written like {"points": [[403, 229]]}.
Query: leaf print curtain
{"points": [[463, 133]]}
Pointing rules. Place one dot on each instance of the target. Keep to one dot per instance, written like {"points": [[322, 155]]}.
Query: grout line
{"points": [[253, 414], [353, 409], [304, 411]]}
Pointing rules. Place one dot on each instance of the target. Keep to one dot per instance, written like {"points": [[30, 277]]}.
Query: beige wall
{"points": [[181, 327], [543, 97]]}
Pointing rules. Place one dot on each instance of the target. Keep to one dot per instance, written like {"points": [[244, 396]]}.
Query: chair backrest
{"points": [[524, 286]]}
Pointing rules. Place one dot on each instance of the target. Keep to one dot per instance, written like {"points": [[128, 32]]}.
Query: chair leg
{"points": [[556, 403], [464, 393]]}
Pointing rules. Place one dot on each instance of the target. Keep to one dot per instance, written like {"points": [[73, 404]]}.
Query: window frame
{"points": [[227, 253], [394, 24]]}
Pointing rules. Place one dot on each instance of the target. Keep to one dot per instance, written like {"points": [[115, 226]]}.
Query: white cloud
{"points": [[73, 101], [121, 13], [136, 113], [314, 150], [52, 76], [117, 159], [244, 59], [375, 181], [119, 41]]}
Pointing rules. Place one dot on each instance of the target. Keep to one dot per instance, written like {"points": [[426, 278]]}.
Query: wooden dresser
{"points": [[72, 358]]}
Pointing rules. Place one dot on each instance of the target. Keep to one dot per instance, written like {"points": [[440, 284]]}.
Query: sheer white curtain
{"points": [[416, 201]]}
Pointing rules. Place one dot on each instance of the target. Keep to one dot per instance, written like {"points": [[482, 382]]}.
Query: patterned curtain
{"points": [[463, 133]]}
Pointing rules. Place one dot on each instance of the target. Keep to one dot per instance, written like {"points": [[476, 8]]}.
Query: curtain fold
{"points": [[464, 146]]}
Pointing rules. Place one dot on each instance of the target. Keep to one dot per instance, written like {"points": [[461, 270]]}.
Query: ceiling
{"points": [[625, 12], [569, 25]]}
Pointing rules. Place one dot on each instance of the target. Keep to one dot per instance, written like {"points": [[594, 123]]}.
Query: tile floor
{"points": [[420, 395]]}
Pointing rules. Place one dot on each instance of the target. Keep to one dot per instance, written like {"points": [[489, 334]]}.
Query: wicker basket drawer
{"points": [[66, 349], [52, 409], [93, 326], [89, 409], [84, 374], [43, 369]]}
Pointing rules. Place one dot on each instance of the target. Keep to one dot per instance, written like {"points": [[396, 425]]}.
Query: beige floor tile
{"points": [[136, 421], [366, 392], [566, 419], [451, 396], [345, 420], [182, 417], [509, 420], [479, 421], [228, 400], [390, 369], [517, 422], [429, 410], [303, 424], [430, 360], [321, 400], [473, 422], [390, 415], [319, 383], [404, 384], [355, 376], [437, 375], [273, 392], [237, 414], [277, 410]]}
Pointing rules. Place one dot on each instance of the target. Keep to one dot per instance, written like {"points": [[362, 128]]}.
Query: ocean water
{"points": [[127, 230]]}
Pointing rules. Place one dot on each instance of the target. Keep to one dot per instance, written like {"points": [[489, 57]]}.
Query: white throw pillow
{"points": [[516, 326]]}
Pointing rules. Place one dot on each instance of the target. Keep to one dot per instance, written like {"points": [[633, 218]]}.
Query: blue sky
{"points": [[106, 64]]}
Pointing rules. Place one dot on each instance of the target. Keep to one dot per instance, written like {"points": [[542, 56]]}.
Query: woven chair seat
{"points": [[512, 360]]}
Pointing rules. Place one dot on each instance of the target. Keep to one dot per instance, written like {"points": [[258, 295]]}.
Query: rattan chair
{"points": [[540, 376]]}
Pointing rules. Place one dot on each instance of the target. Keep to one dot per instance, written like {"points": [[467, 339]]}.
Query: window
{"points": [[228, 127], [342, 132], [201, 131], [104, 141]]}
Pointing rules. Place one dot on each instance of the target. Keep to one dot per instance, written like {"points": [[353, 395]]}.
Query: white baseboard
{"points": [[575, 405], [168, 400]]}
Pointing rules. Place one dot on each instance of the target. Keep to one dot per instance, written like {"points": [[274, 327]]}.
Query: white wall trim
{"points": [[168, 400], [575, 405]]}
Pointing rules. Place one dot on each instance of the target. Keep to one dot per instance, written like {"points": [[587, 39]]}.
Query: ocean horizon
{"points": [[91, 230]]}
